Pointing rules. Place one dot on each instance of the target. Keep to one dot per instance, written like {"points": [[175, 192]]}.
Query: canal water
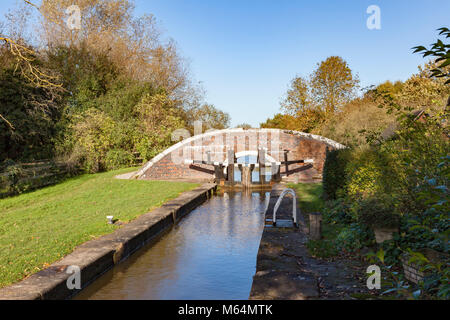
{"points": [[210, 254]]}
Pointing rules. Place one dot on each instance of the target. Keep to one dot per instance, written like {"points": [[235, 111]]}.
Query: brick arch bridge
{"points": [[296, 155]]}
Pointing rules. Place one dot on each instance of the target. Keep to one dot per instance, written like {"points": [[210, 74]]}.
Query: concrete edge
{"points": [[96, 257]]}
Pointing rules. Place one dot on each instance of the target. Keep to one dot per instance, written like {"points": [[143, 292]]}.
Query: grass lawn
{"points": [[310, 196], [41, 227]]}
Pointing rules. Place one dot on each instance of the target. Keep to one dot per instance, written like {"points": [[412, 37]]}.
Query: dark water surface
{"points": [[210, 254]]}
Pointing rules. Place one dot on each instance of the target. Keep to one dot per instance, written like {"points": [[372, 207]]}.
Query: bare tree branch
{"points": [[25, 58]]}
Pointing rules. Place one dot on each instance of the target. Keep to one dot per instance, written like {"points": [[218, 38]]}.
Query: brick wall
{"points": [[171, 164]]}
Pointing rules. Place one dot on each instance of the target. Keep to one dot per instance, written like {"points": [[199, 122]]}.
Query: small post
{"points": [[252, 168], [276, 172], [246, 176], [286, 164], [231, 162], [208, 154], [262, 165], [218, 170], [315, 226], [261, 156], [262, 175]]}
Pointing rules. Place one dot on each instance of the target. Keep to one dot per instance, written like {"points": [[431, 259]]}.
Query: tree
{"points": [[34, 112], [389, 88], [245, 126], [133, 44], [123, 88], [158, 118], [424, 91], [298, 97], [333, 84], [210, 116], [441, 52], [310, 119], [92, 133], [280, 121], [310, 102], [26, 57], [26, 60]]}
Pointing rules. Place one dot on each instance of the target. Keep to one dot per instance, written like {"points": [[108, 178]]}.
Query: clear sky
{"points": [[245, 52]]}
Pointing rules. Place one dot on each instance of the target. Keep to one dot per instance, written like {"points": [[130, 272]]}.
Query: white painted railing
{"points": [[294, 206]]}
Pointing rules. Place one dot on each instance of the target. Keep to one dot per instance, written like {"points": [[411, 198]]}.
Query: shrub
{"points": [[430, 228], [349, 239], [369, 172], [97, 141], [334, 173], [159, 118], [358, 118], [116, 159], [415, 155], [377, 213], [338, 212], [9, 180], [92, 139]]}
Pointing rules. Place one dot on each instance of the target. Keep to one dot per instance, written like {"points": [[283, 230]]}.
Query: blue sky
{"points": [[245, 52]]}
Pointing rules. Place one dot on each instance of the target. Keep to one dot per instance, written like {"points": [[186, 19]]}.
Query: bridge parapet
{"points": [[189, 158]]}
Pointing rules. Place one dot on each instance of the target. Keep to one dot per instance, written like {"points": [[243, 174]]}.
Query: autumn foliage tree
{"points": [[133, 44], [333, 84], [310, 101], [209, 116], [298, 97], [124, 85], [441, 52]]}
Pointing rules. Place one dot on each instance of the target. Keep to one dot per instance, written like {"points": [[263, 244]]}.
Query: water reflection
{"points": [[211, 254]]}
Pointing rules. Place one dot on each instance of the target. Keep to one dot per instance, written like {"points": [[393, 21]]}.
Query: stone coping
{"points": [[96, 257]]}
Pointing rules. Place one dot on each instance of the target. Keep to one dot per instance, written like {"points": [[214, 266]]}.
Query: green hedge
{"points": [[334, 176]]}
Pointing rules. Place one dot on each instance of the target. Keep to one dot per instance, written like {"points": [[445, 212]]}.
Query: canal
{"points": [[210, 254]]}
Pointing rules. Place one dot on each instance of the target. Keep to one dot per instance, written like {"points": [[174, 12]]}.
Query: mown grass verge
{"points": [[310, 196], [41, 227]]}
